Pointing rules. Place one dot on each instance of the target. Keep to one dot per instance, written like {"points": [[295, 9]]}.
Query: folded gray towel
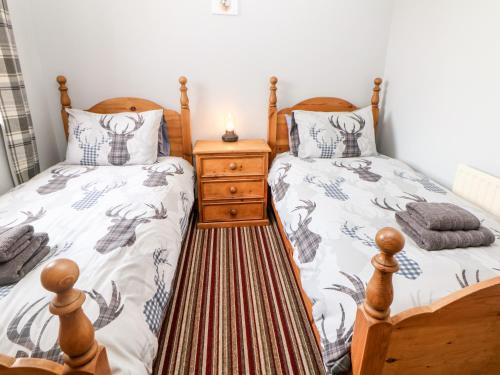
{"points": [[439, 240], [17, 248], [16, 268], [13, 241], [442, 216]]}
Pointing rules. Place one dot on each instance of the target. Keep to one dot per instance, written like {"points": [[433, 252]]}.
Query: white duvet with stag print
{"points": [[331, 210], [123, 226]]}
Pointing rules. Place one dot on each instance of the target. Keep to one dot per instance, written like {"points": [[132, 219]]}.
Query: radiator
{"points": [[479, 188]]}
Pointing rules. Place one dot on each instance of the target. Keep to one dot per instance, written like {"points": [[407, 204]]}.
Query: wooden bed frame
{"points": [[82, 354], [457, 334]]}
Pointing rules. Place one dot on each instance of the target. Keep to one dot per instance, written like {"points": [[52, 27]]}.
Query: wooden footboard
{"points": [[82, 354], [458, 334]]}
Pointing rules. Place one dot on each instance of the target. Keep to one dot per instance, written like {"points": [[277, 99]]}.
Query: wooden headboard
{"points": [[178, 124], [278, 131]]}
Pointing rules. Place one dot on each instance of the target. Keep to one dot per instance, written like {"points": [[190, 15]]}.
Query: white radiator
{"points": [[479, 188]]}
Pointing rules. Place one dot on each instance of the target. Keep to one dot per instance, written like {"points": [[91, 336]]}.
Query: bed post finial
{"points": [[272, 130], [375, 100], [184, 98], [187, 147], [379, 291], [272, 97], [65, 102], [76, 332]]}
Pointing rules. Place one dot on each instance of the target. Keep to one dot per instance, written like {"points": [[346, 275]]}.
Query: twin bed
{"points": [[445, 318], [124, 230]]}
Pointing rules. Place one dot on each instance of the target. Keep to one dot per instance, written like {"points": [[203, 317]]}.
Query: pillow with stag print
{"points": [[330, 135], [128, 138]]}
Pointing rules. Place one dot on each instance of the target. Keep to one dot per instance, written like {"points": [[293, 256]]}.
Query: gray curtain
{"points": [[17, 126]]}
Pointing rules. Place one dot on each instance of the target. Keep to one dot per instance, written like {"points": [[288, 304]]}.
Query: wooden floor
{"points": [[236, 308]]}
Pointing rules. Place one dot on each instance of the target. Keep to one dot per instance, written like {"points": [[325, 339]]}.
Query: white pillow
{"points": [[113, 139], [336, 134]]}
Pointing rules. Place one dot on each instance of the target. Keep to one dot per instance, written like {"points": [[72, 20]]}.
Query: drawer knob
{"points": [[233, 211], [233, 190], [232, 166]]}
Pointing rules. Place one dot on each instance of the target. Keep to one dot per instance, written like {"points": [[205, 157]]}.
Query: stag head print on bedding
{"points": [[60, 178], [331, 189], [306, 242], [408, 267], [327, 148], [350, 134], [184, 220], [5, 290], [361, 168], [122, 232], [396, 206], [90, 147], [92, 193], [19, 330], [336, 348], [464, 282], [119, 154], [422, 180], [155, 307], [354, 232], [159, 178], [343, 337], [280, 187], [30, 217]]}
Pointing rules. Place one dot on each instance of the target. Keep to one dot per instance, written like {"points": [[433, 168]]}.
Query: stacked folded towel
{"points": [[438, 226], [20, 251]]}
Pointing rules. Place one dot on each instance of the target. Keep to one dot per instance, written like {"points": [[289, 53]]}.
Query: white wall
{"points": [[139, 48], [440, 66], [39, 95], [442, 95]]}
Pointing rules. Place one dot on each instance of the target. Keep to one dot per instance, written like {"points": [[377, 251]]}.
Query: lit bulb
{"points": [[229, 123], [229, 135]]}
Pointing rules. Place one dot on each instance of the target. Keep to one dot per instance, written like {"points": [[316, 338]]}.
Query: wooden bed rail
{"points": [[82, 354]]}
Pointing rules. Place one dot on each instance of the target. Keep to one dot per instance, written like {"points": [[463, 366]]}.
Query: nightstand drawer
{"points": [[247, 165], [233, 212], [233, 189]]}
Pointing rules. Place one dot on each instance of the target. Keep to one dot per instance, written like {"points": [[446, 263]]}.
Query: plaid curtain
{"points": [[17, 126]]}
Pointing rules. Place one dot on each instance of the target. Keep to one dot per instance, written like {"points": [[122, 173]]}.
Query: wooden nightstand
{"points": [[232, 183]]}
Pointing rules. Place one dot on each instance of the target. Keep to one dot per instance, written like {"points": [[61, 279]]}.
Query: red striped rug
{"points": [[236, 308]]}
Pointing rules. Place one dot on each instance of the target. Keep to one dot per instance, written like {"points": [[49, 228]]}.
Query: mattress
{"points": [[123, 226], [331, 210]]}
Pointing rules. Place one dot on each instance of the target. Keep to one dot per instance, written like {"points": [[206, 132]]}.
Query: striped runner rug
{"points": [[236, 308]]}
